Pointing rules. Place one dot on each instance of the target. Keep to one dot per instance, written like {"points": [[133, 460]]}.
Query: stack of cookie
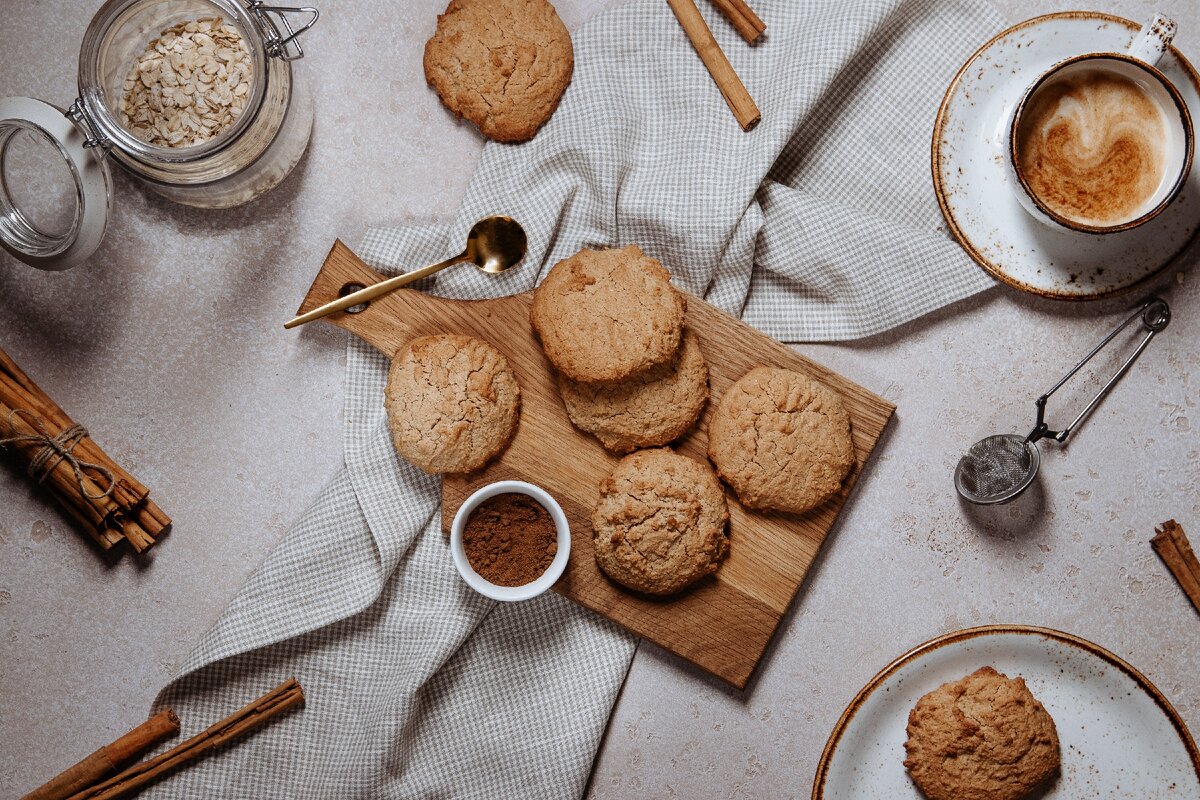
{"points": [[612, 326], [633, 376]]}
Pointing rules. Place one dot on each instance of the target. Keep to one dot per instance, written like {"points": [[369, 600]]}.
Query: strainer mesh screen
{"points": [[995, 466]]}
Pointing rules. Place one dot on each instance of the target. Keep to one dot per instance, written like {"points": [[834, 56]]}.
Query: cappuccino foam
{"points": [[1091, 147]]}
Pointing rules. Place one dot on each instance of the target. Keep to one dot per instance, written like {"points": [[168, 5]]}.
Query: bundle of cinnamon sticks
{"points": [[105, 774], [108, 503]]}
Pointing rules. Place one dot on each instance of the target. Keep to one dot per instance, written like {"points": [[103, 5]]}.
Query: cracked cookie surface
{"points": [[661, 522], [647, 410], [452, 403], [985, 737], [502, 64], [781, 440], [607, 315]]}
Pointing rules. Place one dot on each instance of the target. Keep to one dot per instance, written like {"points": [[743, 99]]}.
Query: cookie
{"points": [[452, 403], [607, 315], [985, 737], [660, 524], [502, 64], [781, 440], [647, 410]]}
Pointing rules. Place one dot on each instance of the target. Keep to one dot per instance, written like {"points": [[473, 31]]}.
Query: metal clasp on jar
{"points": [[92, 137], [282, 44]]}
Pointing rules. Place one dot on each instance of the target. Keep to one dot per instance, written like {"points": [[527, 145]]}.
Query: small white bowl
{"points": [[483, 585]]}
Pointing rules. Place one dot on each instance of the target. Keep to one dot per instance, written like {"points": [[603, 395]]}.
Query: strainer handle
{"points": [[1155, 315]]}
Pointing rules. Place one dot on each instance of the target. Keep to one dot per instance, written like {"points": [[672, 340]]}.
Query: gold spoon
{"points": [[494, 244]]}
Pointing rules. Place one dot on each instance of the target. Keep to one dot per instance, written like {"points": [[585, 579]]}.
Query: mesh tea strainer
{"points": [[998, 468]]}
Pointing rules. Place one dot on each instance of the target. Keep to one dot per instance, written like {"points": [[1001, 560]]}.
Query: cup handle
{"points": [[1153, 39]]}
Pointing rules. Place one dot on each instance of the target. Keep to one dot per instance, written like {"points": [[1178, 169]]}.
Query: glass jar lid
{"points": [[55, 188]]}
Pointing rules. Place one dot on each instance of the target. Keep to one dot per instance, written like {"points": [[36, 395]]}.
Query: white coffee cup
{"points": [[1139, 66]]}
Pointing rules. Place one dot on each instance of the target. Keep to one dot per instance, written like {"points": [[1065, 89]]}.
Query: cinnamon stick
{"points": [[110, 759], [1173, 547], [728, 82], [742, 17], [130, 514], [283, 697]]}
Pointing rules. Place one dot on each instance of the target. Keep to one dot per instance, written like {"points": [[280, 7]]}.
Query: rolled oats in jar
{"points": [[197, 98], [189, 85]]}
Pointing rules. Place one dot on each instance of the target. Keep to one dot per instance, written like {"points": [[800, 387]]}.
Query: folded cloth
{"points": [[418, 688], [829, 198]]}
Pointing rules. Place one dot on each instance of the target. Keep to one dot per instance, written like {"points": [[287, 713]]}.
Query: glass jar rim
{"points": [[93, 189], [115, 135]]}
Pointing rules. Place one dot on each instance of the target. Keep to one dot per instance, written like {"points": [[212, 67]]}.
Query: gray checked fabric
{"points": [[819, 224]]}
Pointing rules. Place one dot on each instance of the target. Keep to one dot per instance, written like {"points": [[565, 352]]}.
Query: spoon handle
{"points": [[373, 291]]}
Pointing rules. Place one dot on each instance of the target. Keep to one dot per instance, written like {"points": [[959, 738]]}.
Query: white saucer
{"points": [[977, 195], [1118, 736]]}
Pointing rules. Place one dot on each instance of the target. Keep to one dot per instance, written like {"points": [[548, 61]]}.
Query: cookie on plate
{"points": [[452, 403], [647, 410], [607, 315], [781, 440], [661, 521], [502, 64], [985, 737]]}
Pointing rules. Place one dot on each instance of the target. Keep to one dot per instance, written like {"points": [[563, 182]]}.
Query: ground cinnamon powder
{"points": [[510, 539]]}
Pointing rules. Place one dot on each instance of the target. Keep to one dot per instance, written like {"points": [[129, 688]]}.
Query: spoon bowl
{"points": [[496, 244]]}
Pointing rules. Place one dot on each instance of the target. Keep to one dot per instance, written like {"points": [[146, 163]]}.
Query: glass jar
{"points": [[242, 162]]}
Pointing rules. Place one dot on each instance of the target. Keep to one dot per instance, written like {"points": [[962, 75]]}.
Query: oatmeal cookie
{"points": [[647, 410], [452, 403], [607, 315], [985, 737], [781, 440], [502, 64], [661, 521]]}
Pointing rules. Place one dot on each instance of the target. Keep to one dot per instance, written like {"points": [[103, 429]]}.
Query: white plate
{"points": [[977, 194], [1120, 737]]}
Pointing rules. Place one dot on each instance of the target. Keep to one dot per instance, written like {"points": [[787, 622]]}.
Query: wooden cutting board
{"points": [[724, 623]]}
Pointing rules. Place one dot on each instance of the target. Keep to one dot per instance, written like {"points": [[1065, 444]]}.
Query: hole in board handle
{"points": [[350, 288]]}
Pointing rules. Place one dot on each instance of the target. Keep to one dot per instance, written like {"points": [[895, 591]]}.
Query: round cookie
{"points": [[452, 403], [660, 524], [781, 440], [985, 737], [502, 64], [647, 410], [607, 315]]}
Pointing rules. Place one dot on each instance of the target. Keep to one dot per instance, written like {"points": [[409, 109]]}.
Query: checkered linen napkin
{"points": [[418, 688]]}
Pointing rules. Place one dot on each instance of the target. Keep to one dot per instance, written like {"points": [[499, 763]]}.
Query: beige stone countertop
{"points": [[168, 345]]}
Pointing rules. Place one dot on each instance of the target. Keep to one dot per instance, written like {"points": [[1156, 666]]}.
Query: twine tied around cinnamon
{"points": [[60, 445]]}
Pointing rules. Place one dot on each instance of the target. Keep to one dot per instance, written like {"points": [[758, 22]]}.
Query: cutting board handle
{"points": [[387, 322]]}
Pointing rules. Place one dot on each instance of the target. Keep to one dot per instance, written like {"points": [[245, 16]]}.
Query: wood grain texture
{"points": [[724, 623]]}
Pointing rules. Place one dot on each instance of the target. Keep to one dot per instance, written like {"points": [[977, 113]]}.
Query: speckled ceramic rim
{"points": [[1181, 109], [818, 792], [939, 126]]}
